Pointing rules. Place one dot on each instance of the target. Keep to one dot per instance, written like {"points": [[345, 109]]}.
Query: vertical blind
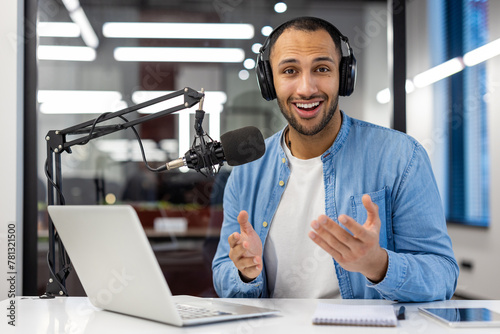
{"points": [[464, 25]]}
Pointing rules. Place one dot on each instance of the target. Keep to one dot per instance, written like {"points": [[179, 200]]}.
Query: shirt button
{"points": [[283, 160], [281, 183], [264, 224]]}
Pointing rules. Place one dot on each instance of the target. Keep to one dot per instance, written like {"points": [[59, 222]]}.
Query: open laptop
{"points": [[119, 271]]}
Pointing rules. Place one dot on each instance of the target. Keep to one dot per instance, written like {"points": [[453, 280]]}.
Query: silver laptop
{"points": [[119, 271]]}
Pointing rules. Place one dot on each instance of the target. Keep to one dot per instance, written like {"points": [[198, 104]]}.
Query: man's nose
{"points": [[307, 85]]}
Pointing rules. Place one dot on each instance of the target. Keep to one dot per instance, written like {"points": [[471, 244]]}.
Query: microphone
{"points": [[236, 147]]}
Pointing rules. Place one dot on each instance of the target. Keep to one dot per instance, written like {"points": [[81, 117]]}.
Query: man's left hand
{"points": [[359, 252]]}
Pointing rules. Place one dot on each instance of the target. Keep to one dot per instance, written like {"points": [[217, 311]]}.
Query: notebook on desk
{"points": [[119, 271]]}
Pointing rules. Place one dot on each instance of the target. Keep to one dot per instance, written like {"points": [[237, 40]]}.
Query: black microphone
{"points": [[236, 147]]}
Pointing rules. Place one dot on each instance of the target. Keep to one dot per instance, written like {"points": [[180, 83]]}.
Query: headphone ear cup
{"points": [[347, 73], [265, 79], [343, 75]]}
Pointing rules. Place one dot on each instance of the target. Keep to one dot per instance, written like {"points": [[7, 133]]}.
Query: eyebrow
{"points": [[294, 61]]}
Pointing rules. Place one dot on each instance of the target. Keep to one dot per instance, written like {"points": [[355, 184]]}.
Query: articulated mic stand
{"points": [[57, 144]]}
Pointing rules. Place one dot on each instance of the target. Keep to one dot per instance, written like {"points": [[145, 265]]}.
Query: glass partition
{"points": [[101, 56]]}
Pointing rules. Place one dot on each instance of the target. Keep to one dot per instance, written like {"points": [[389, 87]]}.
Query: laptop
{"points": [[119, 271]]}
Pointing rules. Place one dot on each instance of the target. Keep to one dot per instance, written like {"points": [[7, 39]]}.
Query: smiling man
{"points": [[336, 205]]}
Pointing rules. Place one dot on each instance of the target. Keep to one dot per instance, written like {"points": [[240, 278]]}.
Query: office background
{"points": [[234, 100]]}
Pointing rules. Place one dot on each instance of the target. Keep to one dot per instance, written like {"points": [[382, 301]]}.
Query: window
{"points": [[462, 111]]}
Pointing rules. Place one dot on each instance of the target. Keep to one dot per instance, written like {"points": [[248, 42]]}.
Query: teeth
{"points": [[307, 105]]}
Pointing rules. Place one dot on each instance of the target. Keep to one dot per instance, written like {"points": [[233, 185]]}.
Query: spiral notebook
{"points": [[355, 315]]}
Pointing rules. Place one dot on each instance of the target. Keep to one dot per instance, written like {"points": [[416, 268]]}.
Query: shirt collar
{"points": [[337, 144]]}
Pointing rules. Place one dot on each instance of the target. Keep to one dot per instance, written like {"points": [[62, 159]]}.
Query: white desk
{"points": [[76, 315]]}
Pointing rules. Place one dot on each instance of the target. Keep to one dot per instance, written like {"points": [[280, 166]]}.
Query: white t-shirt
{"points": [[295, 266]]}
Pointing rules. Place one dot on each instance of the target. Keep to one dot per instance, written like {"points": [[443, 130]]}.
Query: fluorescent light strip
{"points": [[482, 53], [185, 55], [78, 16], [58, 29], [384, 96], [68, 53], [129, 149], [446, 69], [79, 101], [439, 72], [178, 30]]}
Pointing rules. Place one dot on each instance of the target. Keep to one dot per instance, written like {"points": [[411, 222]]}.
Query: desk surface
{"points": [[77, 315]]}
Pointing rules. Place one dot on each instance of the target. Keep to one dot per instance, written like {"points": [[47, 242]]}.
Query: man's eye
{"points": [[323, 69], [289, 71]]}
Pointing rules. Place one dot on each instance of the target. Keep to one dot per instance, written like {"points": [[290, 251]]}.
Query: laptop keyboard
{"points": [[193, 312]]}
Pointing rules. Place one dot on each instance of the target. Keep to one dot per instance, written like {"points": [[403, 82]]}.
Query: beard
{"points": [[293, 119]]}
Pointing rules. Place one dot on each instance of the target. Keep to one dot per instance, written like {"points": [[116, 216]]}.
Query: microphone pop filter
{"points": [[243, 145]]}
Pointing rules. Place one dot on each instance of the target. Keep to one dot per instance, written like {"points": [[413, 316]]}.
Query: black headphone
{"points": [[347, 69]]}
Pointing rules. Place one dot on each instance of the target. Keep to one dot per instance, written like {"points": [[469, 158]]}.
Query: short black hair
{"points": [[307, 23]]}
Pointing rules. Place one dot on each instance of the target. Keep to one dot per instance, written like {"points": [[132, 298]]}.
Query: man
{"points": [[335, 204]]}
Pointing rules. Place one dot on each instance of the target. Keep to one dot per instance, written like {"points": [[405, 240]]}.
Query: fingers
{"points": [[245, 225], [233, 239], [371, 209], [357, 230], [327, 232], [249, 263], [325, 245], [249, 266]]}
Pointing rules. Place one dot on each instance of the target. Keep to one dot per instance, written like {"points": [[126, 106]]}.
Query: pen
{"points": [[401, 313]]}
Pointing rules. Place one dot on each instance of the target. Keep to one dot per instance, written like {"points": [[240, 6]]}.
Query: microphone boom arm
{"points": [[56, 138], [57, 143]]}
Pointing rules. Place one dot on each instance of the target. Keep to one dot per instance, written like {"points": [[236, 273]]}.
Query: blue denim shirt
{"points": [[395, 171]]}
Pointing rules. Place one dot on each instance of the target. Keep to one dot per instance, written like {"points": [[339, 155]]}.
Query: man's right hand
{"points": [[246, 249]]}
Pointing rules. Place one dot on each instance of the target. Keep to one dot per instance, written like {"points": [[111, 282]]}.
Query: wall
{"points": [[11, 87]]}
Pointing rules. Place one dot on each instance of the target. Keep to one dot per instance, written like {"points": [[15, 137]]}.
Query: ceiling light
{"points": [[79, 101], [280, 7], [384, 96], [178, 30], [58, 29], [256, 48], [439, 72], [69, 53], [243, 75], [482, 53], [185, 55], [266, 30], [409, 86], [249, 63], [78, 16], [129, 149]]}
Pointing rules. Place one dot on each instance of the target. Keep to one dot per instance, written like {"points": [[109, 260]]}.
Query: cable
{"points": [[91, 132], [54, 185], [141, 147], [57, 278]]}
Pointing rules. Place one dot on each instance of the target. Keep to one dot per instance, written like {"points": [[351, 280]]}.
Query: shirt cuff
{"points": [[394, 277], [251, 289]]}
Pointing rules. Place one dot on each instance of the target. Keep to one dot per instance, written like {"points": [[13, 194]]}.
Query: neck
{"points": [[308, 147]]}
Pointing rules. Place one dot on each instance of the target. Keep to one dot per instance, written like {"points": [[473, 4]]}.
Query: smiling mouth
{"points": [[308, 106]]}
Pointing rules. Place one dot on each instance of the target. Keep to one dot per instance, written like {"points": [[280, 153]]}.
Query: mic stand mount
{"points": [[57, 144], [204, 155]]}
